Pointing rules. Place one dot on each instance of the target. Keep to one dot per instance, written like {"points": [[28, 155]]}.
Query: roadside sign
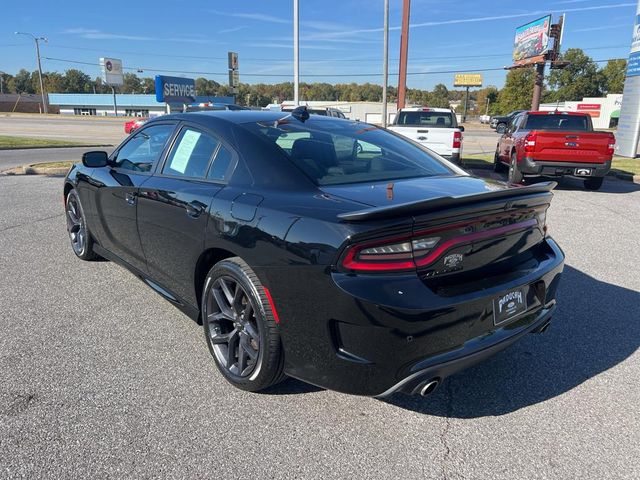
{"points": [[233, 60], [111, 71], [467, 80], [175, 89], [532, 41]]}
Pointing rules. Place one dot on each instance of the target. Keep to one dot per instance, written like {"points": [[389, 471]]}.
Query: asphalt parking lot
{"points": [[101, 377]]}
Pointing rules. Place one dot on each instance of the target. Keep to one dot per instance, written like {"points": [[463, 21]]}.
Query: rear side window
{"points": [[143, 150], [191, 154], [426, 119], [574, 123], [221, 164]]}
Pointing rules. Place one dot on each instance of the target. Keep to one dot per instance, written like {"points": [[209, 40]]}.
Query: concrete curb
{"points": [[38, 147], [35, 170]]}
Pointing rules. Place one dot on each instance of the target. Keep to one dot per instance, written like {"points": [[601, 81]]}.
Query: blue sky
{"points": [[338, 37]]}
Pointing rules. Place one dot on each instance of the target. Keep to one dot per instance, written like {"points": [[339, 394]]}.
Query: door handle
{"points": [[131, 198], [194, 209]]}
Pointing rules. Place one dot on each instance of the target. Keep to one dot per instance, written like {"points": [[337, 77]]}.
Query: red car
{"points": [[134, 124], [555, 144]]}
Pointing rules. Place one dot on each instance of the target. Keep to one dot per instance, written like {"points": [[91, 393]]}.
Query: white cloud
{"points": [[260, 17]]}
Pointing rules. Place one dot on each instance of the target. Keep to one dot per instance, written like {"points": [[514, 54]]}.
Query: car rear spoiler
{"points": [[434, 204]]}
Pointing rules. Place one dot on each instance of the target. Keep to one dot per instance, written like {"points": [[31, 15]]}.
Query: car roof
{"points": [[238, 116], [425, 109], [557, 112]]}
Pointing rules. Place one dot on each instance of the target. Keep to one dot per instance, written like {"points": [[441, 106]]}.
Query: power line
{"points": [[287, 75]]}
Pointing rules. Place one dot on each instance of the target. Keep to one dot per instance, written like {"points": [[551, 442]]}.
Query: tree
{"points": [[439, 97], [53, 82], [577, 80], [8, 83], [76, 81], [487, 93], [517, 92], [612, 76], [131, 83], [23, 82]]}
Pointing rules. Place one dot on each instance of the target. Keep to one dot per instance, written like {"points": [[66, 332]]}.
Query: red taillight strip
{"points": [[443, 247], [351, 262], [276, 317]]}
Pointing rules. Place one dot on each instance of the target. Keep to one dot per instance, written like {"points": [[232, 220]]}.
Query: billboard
{"points": [[532, 41], [175, 89], [628, 132], [111, 71], [467, 80]]}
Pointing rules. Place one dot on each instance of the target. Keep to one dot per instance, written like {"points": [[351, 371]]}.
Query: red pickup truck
{"points": [[555, 144]]}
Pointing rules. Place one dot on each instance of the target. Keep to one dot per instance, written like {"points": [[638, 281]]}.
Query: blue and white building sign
{"points": [[175, 89], [628, 133]]}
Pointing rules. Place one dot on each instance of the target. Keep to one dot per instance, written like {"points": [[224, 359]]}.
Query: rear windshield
{"points": [[574, 123], [334, 152], [427, 119]]}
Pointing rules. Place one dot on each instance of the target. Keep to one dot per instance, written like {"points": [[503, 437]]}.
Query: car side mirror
{"points": [[461, 128], [95, 159]]}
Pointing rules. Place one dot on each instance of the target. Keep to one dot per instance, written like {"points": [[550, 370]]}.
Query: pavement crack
{"points": [[445, 431], [11, 227]]}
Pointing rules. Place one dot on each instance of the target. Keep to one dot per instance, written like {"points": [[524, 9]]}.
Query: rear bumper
{"points": [[374, 335], [529, 166]]}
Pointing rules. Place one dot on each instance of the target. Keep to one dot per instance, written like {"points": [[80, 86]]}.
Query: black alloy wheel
{"points": [[79, 235], [515, 176], [239, 326], [501, 128]]}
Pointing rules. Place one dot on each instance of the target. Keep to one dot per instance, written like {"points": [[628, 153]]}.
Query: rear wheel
{"points": [[81, 240], [515, 176], [498, 166], [240, 328], [593, 183]]}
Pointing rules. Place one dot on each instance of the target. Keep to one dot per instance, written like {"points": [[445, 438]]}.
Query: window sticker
{"points": [[185, 149]]}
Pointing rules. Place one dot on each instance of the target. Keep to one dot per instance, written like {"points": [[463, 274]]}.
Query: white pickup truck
{"points": [[435, 128]]}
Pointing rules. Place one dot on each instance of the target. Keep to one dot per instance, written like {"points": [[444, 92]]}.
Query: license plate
{"points": [[583, 172], [509, 305]]}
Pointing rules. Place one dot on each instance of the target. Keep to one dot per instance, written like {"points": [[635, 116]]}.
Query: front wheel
{"points": [[498, 166], [515, 176], [81, 240], [501, 127], [593, 183], [240, 327]]}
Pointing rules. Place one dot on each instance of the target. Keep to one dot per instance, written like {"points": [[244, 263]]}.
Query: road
{"points": [[100, 377]]}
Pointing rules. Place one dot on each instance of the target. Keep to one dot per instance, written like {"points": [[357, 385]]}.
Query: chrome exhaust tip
{"points": [[429, 387]]}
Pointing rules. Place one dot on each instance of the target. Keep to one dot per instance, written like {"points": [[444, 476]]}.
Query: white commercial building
{"points": [[604, 111]]}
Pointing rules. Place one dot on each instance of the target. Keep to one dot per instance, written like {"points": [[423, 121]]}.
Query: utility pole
{"points": [[466, 101], [537, 86], [404, 48], [385, 64], [37, 40], [296, 53], [1, 83]]}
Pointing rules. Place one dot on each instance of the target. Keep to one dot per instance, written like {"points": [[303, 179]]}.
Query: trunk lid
{"points": [[579, 147]]}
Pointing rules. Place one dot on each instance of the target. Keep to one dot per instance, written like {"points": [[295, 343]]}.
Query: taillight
{"points": [[612, 145], [399, 253], [457, 139], [530, 142]]}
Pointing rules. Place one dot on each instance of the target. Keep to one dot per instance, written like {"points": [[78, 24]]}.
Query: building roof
{"points": [[122, 99]]}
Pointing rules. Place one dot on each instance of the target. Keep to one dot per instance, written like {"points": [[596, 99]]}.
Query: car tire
{"points": [[79, 234], [515, 176], [501, 127], [240, 327], [498, 166], [593, 183]]}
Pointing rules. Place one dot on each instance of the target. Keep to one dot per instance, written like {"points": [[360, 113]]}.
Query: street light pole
{"points": [[37, 41], [296, 54], [385, 64]]}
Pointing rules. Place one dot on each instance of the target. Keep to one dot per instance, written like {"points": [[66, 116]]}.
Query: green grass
{"points": [[27, 142], [621, 164], [67, 164]]}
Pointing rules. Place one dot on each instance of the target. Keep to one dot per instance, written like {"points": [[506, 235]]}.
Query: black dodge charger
{"points": [[324, 249]]}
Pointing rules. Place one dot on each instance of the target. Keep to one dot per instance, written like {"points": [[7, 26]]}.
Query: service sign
{"points": [[111, 71], [467, 80], [175, 89], [532, 39], [628, 132]]}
